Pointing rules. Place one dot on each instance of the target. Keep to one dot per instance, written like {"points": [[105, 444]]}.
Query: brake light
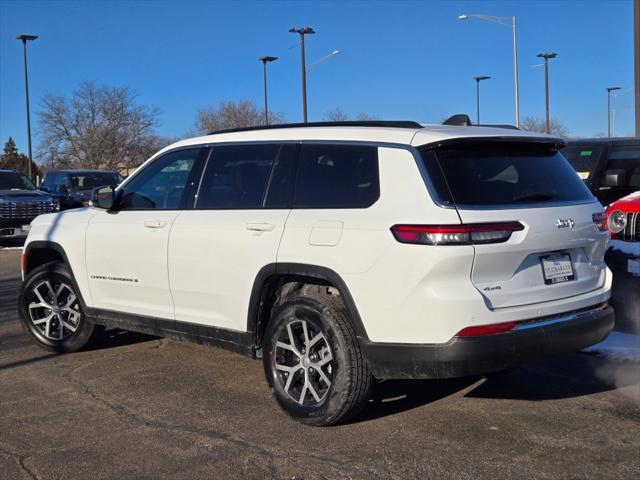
{"points": [[469, 234], [600, 221], [481, 330]]}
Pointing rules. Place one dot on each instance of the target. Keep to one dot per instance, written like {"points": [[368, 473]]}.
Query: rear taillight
{"points": [[470, 234], [600, 221], [486, 329]]}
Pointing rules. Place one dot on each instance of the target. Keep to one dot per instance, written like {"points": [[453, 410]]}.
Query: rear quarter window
{"points": [[493, 174]]}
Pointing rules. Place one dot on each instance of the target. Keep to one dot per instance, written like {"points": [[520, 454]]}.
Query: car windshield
{"points": [[86, 181], [509, 173], [583, 158], [15, 181]]}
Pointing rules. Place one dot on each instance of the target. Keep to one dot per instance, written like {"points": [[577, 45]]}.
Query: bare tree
{"points": [[339, 115], [534, 124], [232, 114], [336, 115], [97, 127]]}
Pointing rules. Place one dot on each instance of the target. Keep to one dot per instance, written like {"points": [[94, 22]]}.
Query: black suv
{"points": [[73, 187], [20, 202], [609, 166]]}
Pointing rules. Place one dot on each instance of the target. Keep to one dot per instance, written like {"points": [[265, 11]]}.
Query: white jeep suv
{"points": [[337, 253]]}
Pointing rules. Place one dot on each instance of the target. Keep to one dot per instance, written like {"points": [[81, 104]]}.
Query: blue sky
{"points": [[398, 60]]}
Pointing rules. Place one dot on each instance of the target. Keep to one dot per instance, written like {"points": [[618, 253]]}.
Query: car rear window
{"points": [[487, 174], [583, 158]]}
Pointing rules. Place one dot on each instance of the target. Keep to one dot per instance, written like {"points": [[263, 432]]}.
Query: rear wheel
{"points": [[313, 361], [50, 310]]}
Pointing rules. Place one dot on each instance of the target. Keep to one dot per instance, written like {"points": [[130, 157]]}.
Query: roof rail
{"points": [[463, 120], [354, 123]]}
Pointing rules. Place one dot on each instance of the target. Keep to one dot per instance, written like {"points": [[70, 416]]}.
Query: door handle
{"points": [[260, 226], [154, 224]]}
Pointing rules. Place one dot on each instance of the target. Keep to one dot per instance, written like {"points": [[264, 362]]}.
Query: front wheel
{"points": [[313, 361], [50, 310]]}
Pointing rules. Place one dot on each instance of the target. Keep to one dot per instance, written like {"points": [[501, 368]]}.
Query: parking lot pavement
{"points": [[143, 407]]}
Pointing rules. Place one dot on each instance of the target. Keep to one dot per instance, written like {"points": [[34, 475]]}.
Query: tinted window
{"points": [[236, 176], [15, 181], [86, 181], [506, 173], [337, 176], [627, 159], [280, 188], [160, 184], [583, 158]]}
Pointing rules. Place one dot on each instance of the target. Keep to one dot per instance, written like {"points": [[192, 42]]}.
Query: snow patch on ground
{"points": [[618, 346]]}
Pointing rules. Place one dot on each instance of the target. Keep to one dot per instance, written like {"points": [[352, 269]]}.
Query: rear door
{"points": [[559, 253], [218, 247]]}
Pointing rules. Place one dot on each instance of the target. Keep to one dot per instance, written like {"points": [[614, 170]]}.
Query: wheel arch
{"points": [[271, 277]]}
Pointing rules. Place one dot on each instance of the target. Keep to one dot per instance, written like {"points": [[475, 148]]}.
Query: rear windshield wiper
{"points": [[541, 196]]}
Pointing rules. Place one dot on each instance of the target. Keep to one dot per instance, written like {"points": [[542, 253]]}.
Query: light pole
{"points": [[303, 31], [609, 90], [26, 38], [266, 59], [478, 79], [506, 21], [546, 57]]}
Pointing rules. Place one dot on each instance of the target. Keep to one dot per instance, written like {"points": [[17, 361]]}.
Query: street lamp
{"points": [[322, 59], [303, 31], [609, 90], [506, 21], [478, 79], [26, 38], [546, 57], [266, 59]]}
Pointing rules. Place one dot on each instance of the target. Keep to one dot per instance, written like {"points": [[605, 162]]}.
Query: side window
{"points": [[627, 159], [337, 176], [160, 184], [236, 176]]}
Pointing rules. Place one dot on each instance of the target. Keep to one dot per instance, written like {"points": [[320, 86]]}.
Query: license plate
{"points": [[633, 267], [26, 228], [557, 269]]}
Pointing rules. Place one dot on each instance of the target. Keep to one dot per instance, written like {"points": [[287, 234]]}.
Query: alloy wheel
{"points": [[54, 311]]}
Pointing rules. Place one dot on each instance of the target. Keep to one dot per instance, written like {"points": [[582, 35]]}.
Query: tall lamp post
{"points": [[478, 79], [26, 38], [609, 90], [506, 21], [546, 57], [266, 59], [303, 31]]}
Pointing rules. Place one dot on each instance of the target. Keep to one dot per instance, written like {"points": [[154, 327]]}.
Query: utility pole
{"points": [[266, 59], [303, 31], [478, 79], [609, 90], [546, 57], [636, 36], [26, 38]]}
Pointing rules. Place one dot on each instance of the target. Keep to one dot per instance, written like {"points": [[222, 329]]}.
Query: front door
{"points": [[127, 248]]}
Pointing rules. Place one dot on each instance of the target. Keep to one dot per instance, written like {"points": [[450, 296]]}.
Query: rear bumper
{"points": [[529, 342]]}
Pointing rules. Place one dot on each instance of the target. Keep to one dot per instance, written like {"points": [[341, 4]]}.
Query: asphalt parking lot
{"points": [[137, 406]]}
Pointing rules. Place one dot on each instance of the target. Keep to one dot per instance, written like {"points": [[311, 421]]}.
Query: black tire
{"points": [[57, 274], [350, 378]]}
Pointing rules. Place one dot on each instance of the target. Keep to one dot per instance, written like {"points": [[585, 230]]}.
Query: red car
{"points": [[623, 258]]}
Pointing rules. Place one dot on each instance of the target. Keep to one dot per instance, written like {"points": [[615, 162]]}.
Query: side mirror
{"points": [[63, 189], [614, 178], [103, 197]]}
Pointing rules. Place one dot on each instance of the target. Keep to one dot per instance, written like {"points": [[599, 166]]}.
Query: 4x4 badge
{"points": [[565, 223]]}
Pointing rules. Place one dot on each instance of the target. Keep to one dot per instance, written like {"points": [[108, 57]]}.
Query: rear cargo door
{"points": [[559, 253]]}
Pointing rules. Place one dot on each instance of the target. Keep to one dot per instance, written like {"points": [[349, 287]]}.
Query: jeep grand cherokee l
{"points": [[20, 203], [336, 253]]}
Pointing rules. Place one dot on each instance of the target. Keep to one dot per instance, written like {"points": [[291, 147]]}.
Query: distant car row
{"points": [[21, 201]]}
